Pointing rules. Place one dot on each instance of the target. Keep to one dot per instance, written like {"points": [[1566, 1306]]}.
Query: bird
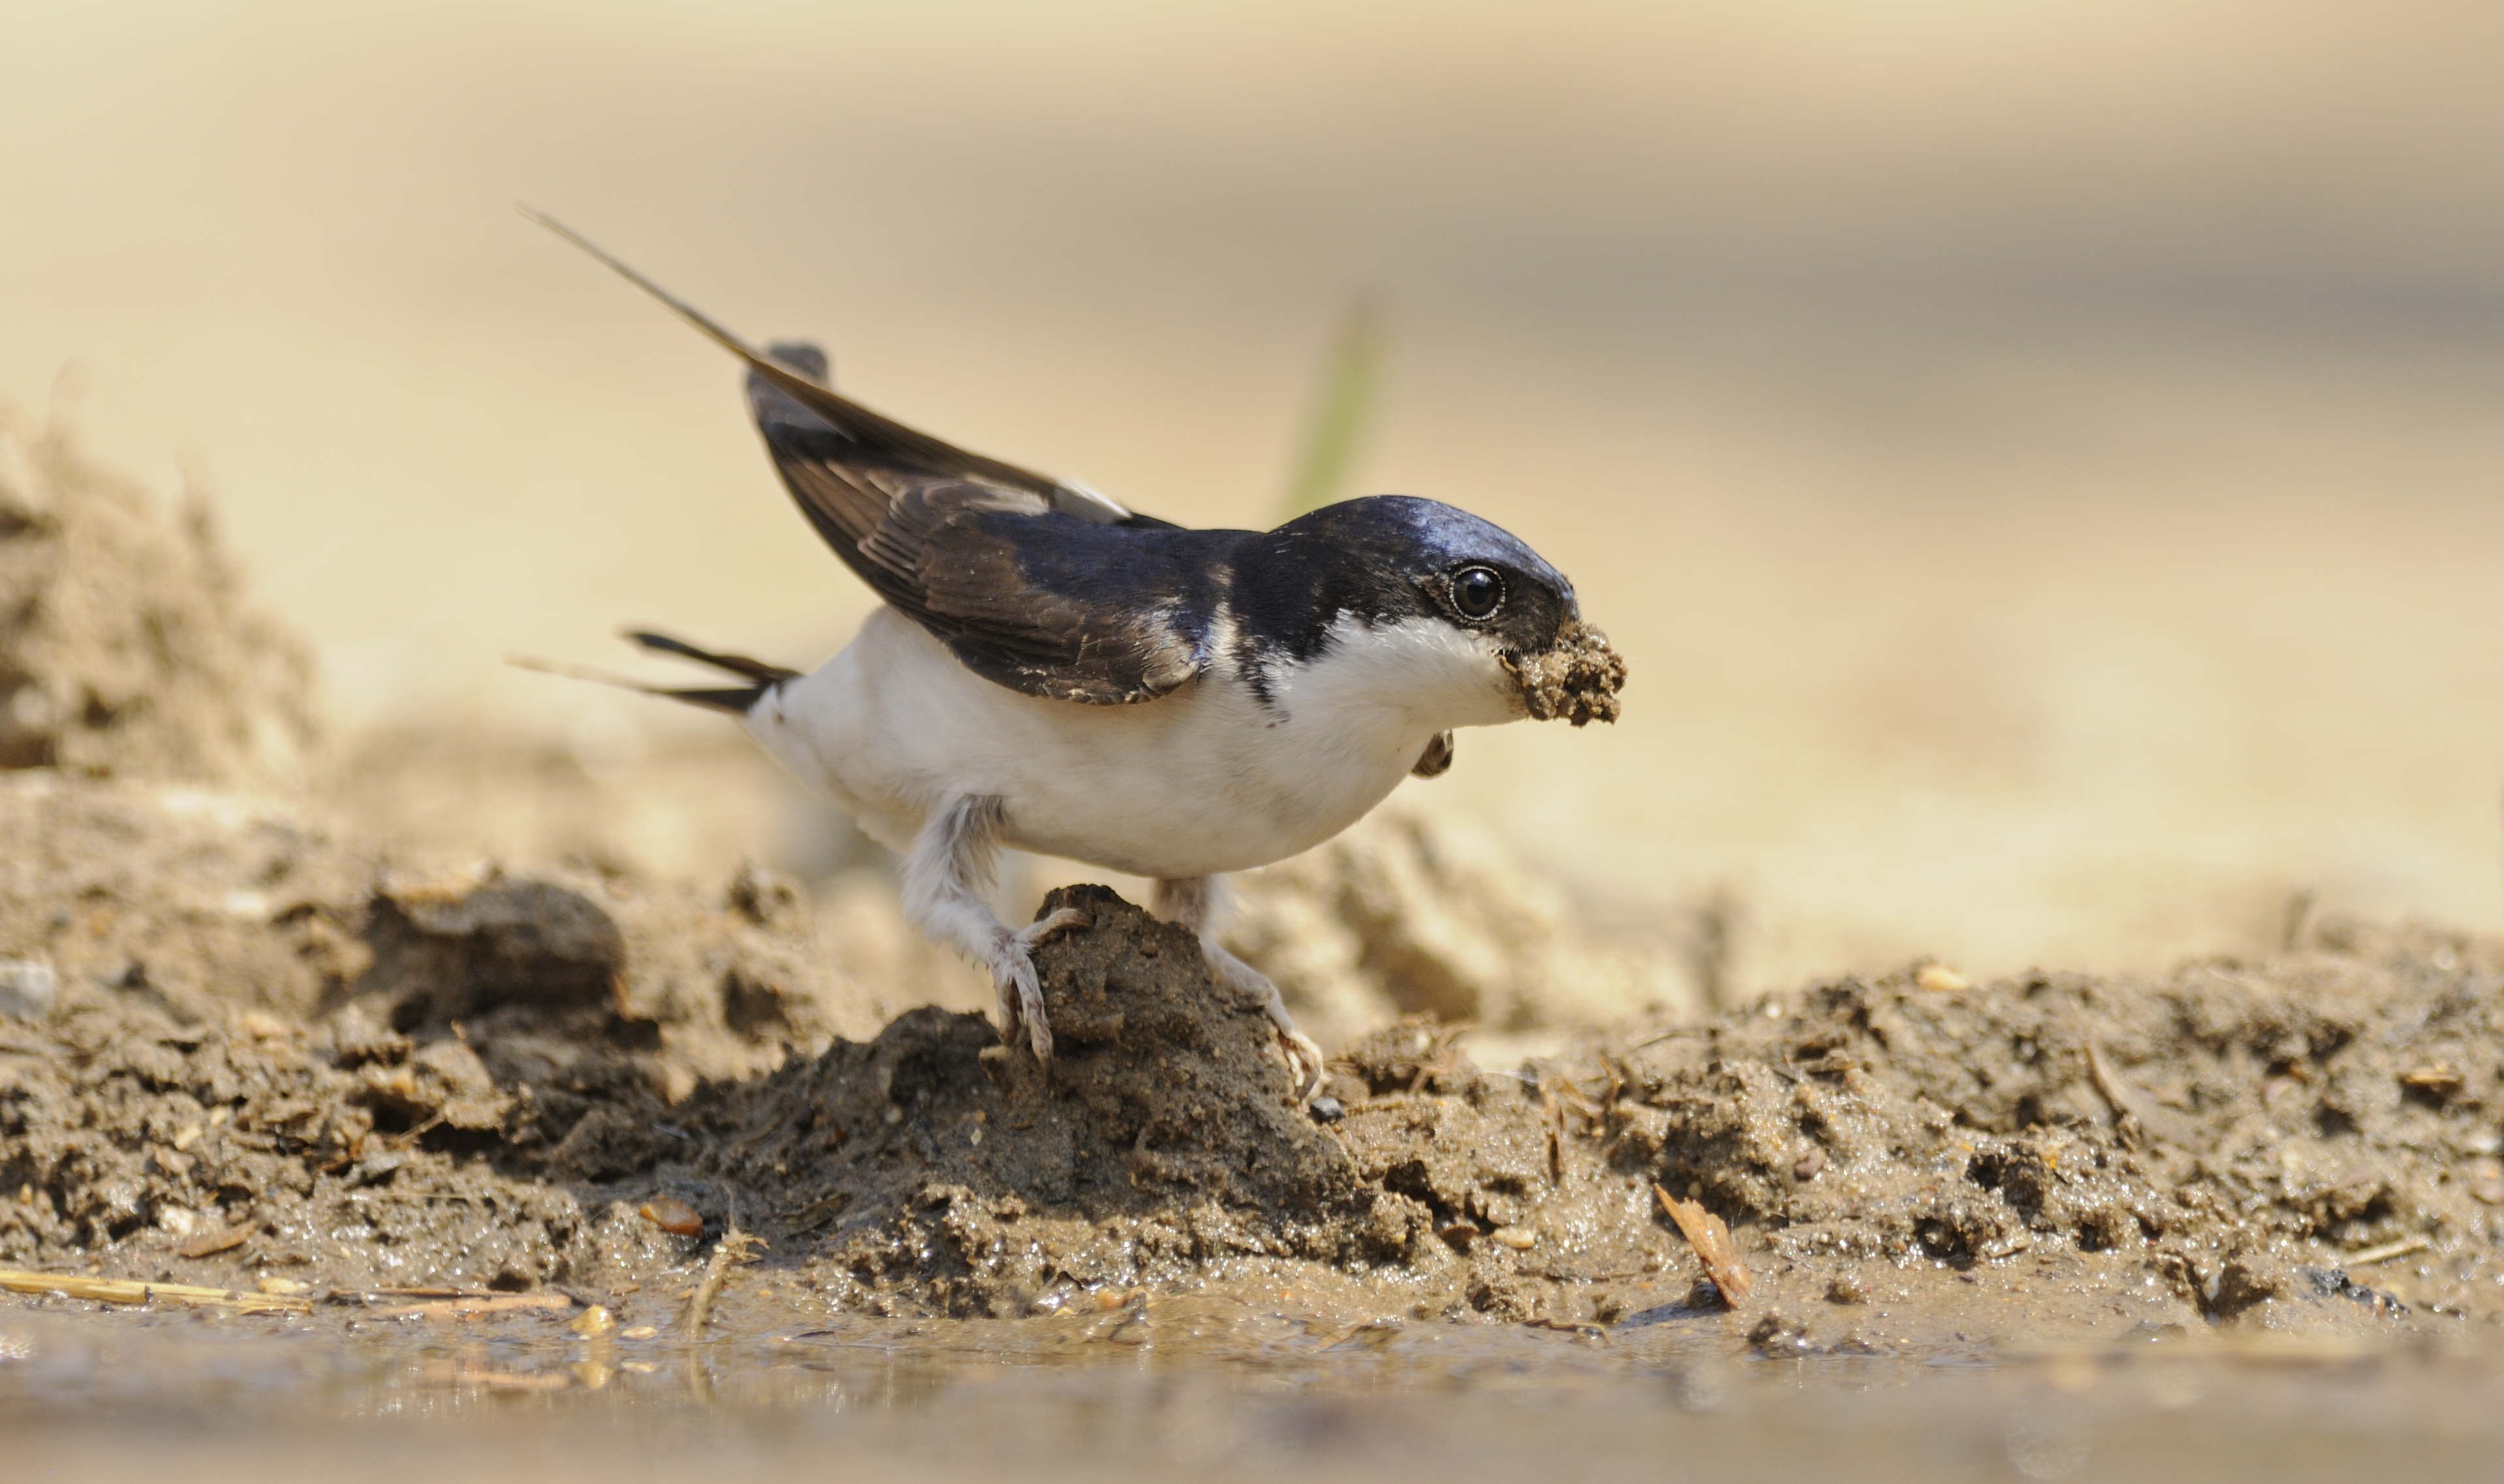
{"points": [[1052, 671]]}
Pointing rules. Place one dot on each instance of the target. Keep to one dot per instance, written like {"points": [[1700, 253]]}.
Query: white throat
{"points": [[1401, 682]]}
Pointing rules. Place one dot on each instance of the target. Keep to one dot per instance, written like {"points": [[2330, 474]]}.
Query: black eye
{"points": [[1477, 593]]}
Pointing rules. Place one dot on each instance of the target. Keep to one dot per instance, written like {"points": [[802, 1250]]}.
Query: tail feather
{"points": [[739, 700], [735, 663]]}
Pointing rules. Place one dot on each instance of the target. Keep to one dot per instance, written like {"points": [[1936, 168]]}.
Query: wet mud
{"points": [[268, 1055]]}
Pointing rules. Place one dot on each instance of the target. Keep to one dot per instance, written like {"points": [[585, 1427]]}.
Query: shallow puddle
{"points": [[1176, 1387]]}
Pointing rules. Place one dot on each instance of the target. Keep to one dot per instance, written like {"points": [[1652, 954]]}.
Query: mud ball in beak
{"points": [[1578, 678]]}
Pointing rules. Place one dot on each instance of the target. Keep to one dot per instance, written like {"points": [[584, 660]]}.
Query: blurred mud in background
{"points": [[2042, 462]]}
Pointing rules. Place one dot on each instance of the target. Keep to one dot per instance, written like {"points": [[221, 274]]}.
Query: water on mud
{"points": [[1173, 1386]]}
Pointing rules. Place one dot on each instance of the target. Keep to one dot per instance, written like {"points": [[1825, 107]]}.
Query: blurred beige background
{"points": [[2045, 462]]}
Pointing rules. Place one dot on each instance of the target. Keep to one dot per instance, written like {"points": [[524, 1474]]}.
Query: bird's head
{"points": [[1459, 609]]}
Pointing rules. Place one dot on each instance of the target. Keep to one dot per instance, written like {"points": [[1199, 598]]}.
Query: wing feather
{"points": [[1024, 594], [1039, 584]]}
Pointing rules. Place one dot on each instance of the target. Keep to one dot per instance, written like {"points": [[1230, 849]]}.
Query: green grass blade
{"points": [[1342, 416]]}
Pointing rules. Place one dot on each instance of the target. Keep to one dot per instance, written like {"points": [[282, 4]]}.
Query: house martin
{"points": [[1055, 672]]}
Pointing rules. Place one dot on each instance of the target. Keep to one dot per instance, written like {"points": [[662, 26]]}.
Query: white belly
{"points": [[1202, 781]]}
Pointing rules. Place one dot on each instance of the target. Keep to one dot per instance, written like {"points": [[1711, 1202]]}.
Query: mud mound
{"points": [[126, 646], [933, 1168]]}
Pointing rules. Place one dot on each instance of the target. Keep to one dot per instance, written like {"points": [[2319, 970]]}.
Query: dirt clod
{"points": [[1579, 680]]}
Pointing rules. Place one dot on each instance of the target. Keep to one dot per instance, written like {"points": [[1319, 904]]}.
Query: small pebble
{"points": [[27, 986], [1939, 976], [673, 1215], [261, 1025], [1327, 1109], [1847, 1288], [595, 1321], [2486, 1181], [640, 1332], [283, 1288], [1518, 1238], [1809, 1164]]}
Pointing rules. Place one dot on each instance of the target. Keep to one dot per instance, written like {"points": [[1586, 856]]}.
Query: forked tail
{"points": [[738, 700]]}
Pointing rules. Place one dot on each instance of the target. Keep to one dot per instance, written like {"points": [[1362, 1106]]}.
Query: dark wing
{"points": [[1022, 589], [1041, 585]]}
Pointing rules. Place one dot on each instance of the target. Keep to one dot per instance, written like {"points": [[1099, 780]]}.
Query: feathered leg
{"points": [[946, 877]]}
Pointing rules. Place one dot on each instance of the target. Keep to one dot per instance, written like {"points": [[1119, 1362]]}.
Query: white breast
{"points": [[1205, 781]]}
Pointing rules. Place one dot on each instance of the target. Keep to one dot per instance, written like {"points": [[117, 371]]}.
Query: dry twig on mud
{"points": [[121, 1290], [473, 1307], [2368, 1257], [1553, 1115], [734, 1248], [1711, 1243]]}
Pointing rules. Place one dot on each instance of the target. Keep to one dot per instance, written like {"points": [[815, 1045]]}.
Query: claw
{"points": [[1059, 922], [1019, 989], [1021, 994], [1303, 1061]]}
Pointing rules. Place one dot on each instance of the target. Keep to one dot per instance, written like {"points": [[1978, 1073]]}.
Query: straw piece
{"points": [[121, 1290], [1711, 1243]]}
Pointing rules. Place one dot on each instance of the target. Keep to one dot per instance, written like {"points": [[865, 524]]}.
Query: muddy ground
{"points": [[267, 1056]]}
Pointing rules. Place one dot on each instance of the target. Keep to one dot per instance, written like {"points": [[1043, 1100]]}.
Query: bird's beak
{"points": [[1578, 677]]}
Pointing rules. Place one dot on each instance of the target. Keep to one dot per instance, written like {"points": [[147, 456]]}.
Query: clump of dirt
{"points": [[357, 1077], [127, 646], [1579, 680]]}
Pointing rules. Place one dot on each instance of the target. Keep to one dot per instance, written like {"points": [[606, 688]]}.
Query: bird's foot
{"points": [[1303, 1061], [1020, 989], [1303, 1057]]}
